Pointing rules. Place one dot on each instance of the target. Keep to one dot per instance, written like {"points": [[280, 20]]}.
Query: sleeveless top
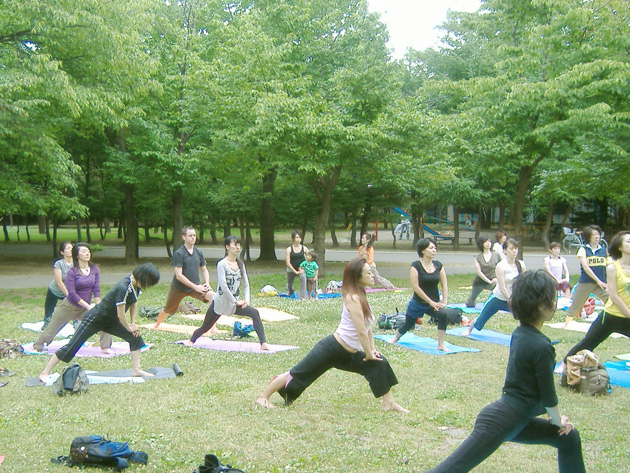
{"points": [[623, 291], [597, 260], [555, 266], [297, 258], [348, 332], [488, 267], [510, 275], [428, 282]]}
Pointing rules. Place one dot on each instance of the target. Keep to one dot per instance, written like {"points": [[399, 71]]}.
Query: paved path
{"points": [[394, 263]]}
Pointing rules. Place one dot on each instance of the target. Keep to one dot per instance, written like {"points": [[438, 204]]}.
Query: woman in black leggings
{"points": [[230, 273]]}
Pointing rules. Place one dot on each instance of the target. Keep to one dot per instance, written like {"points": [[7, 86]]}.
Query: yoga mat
{"points": [[323, 295], [580, 327], [231, 345], [88, 349], [483, 335], [619, 373], [425, 344], [110, 377], [467, 310], [65, 332], [381, 289], [175, 328], [624, 356], [266, 315]]}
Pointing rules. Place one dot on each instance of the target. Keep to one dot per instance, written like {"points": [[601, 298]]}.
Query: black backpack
{"points": [[391, 321], [72, 380], [212, 464], [95, 450]]}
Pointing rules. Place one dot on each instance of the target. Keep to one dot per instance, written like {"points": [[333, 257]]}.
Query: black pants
{"points": [[497, 423], [212, 317], [478, 285], [328, 353], [600, 330], [416, 310], [92, 323], [49, 306]]}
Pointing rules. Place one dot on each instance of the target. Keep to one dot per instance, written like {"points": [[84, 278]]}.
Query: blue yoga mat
{"points": [[483, 335], [619, 373], [324, 295], [425, 344], [467, 310]]}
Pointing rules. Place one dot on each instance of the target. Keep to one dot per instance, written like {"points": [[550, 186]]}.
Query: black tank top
{"points": [[297, 258]]}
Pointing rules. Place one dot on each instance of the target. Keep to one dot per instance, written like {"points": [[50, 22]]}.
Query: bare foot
{"points": [[394, 406], [264, 346], [142, 373], [567, 321], [156, 325], [443, 348], [468, 331], [560, 369], [107, 351], [214, 329], [393, 340], [188, 343], [264, 402], [44, 378]]}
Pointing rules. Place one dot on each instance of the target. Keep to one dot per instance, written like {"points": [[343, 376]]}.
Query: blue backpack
{"points": [[97, 451]]}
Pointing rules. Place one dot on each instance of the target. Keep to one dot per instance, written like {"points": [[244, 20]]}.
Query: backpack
{"points": [[72, 380], [149, 312], [97, 451], [10, 348], [391, 321], [585, 374], [241, 330], [212, 464]]}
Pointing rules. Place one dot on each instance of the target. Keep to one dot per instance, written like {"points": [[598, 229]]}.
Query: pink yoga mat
{"points": [[381, 289], [119, 348], [233, 345]]}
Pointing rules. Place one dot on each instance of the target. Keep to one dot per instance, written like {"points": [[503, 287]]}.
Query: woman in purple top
{"points": [[82, 281]]}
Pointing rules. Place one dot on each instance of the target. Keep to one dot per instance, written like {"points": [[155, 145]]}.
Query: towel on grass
{"points": [[88, 349], [425, 344], [110, 377], [65, 332], [231, 345], [483, 335], [580, 327]]}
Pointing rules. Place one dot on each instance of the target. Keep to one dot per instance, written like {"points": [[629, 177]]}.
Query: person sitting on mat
{"points": [[507, 271], [425, 275], [109, 316], [528, 390], [230, 273], [349, 348]]}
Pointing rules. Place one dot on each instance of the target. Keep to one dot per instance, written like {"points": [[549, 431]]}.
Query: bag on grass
{"points": [[212, 464], [391, 321], [149, 312], [10, 348], [187, 307], [585, 374], [97, 451], [241, 330], [73, 380], [268, 291]]}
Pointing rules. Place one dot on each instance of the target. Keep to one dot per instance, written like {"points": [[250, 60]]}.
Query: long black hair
{"points": [[229, 239]]}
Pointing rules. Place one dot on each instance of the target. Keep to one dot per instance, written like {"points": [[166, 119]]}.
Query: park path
{"points": [[393, 263]]}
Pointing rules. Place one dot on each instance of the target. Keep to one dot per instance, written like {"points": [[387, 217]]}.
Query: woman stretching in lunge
{"points": [[350, 348], [230, 273], [528, 390], [109, 316]]}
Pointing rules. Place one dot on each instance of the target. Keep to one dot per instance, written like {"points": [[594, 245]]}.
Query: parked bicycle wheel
{"points": [[571, 243]]}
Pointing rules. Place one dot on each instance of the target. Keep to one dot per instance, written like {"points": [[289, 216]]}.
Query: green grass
{"points": [[336, 425]]}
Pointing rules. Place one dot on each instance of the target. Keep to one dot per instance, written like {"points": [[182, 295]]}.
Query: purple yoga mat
{"points": [[119, 348], [233, 345]]}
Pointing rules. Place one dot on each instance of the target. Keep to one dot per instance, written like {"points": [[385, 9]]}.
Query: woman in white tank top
{"points": [[349, 348]]}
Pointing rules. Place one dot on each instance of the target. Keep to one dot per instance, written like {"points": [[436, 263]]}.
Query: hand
{"points": [[91, 306], [493, 281], [134, 329], [205, 287], [242, 304], [438, 305], [565, 426], [603, 285], [373, 356]]}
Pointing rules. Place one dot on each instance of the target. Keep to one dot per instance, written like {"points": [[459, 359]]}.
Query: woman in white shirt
{"points": [[349, 348]]}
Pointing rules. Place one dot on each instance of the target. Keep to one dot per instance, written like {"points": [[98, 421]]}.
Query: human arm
{"points": [[71, 279], [562, 422], [287, 261], [413, 279], [96, 288], [588, 271], [205, 274], [500, 272], [613, 291], [565, 271], [122, 317], [179, 275], [58, 275], [480, 272], [246, 292], [369, 255], [355, 309], [444, 284]]}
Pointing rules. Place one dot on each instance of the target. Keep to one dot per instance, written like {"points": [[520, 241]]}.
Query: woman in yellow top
{"points": [[366, 251], [616, 314]]}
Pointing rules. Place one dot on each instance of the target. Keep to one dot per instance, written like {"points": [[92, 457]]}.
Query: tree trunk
{"points": [[547, 230], [54, 239], [353, 233], [267, 217], [167, 242], [333, 234], [416, 218], [129, 209], [178, 218], [41, 224], [455, 228], [324, 193], [47, 230], [6, 231]]}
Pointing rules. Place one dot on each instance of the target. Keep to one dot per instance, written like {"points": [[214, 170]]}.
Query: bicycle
{"points": [[572, 242]]}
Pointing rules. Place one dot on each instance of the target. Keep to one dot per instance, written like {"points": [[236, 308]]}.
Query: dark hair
{"points": [[423, 244], [228, 240], [370, 240], [533, 294], [510, 241], [63, 245], [554, 244], [312, 254], [351, 276], [185, 230], [147, 275], [295, 233], [498, 235], [587, 233], [75, 254], [482, 239], [614, 248]]}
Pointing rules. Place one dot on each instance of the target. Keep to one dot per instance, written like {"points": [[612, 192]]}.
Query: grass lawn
{"points": [[336, 425]]}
